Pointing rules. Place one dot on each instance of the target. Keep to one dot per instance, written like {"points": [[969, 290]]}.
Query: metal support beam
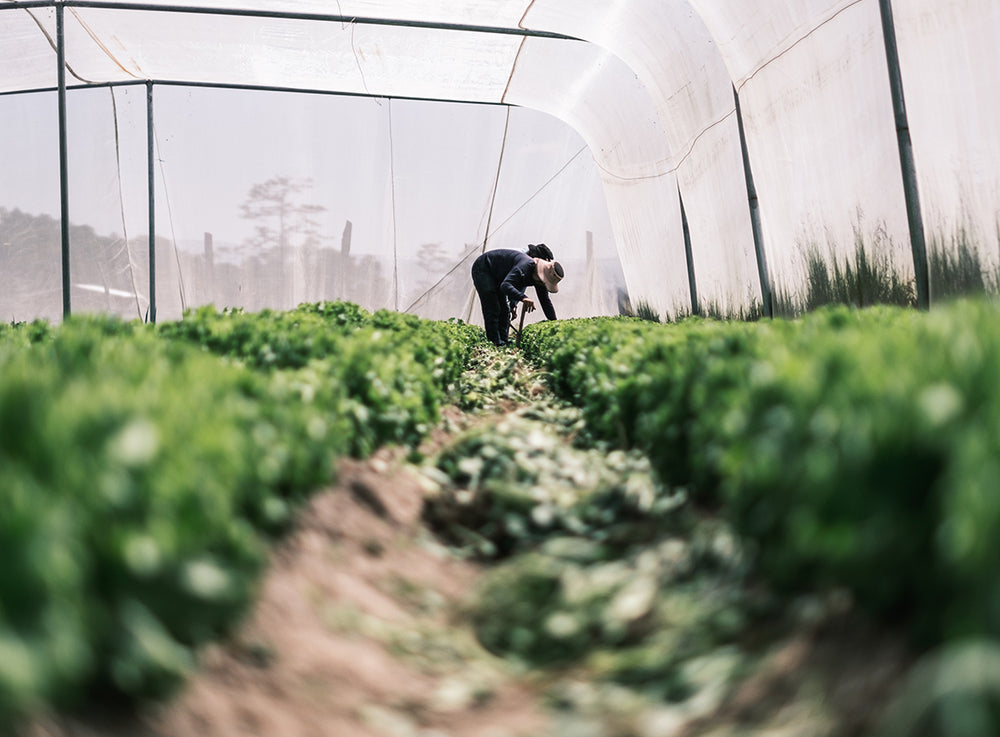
{"points": [[151, 192], [758, 237], [63, 159], [914, 218], [257, 87], [326, 17], [27, 4], [695, 304]]}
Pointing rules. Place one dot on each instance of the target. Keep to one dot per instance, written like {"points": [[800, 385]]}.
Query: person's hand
{"points": [[513, 311], [529, 305]]}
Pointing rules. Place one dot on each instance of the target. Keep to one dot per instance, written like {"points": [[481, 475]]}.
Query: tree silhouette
{"points": [[283, 224]]}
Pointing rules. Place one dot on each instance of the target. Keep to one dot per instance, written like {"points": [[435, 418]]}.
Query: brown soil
{"points": [[358, 632]]}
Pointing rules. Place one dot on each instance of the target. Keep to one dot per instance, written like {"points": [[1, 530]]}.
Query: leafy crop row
{"points": [[144, 467], [392, 367], [852, 448]]}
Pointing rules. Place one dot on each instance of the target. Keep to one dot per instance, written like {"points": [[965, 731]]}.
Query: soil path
{"points": [[356, 633]]}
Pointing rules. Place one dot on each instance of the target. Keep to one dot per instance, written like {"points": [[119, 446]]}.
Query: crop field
{"points": [[634, 529]]}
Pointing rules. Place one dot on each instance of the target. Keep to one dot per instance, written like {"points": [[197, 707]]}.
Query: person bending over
{"points": [[501, 276]]}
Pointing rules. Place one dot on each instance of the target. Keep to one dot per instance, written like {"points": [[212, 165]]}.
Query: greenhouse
{"points": [[263, 471], [691, 156]]}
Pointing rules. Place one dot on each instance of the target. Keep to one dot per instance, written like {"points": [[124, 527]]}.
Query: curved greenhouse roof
{"points": [[686, 155]]}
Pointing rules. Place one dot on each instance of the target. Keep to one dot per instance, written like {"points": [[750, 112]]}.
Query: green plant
{"points": [[645, 311], [147, 468], [844, 445], [955, 267]]}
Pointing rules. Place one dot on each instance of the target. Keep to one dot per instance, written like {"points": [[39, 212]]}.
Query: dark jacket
{"points": [[513, 271]]}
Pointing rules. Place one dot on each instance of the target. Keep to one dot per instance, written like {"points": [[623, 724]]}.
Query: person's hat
{"points": [[551, 273], [540, 251]]}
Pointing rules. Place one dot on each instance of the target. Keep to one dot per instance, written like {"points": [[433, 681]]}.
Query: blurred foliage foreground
{"points": [[851, 450], [707, 469], [145, 468]]}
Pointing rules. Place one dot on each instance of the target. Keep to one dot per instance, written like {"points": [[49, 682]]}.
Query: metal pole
{"points": [[25, 4], [151, 191], [259, 87], [63, 159], [758, 238], [914, 218], [326, 17], [695, 305]]}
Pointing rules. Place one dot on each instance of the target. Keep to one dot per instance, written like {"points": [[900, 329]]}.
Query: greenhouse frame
{"points": [[688, 156]]}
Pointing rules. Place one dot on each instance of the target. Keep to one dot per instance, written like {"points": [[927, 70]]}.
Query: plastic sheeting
{"points": [[950, 60], [634, 108], [840, 184]]}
